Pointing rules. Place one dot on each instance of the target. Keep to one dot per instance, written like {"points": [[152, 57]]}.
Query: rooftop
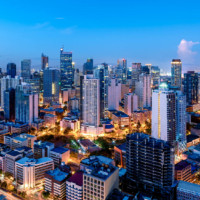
{"points": [[120, 114], [57, 174], [24, 148], [191, 137], [122, 147], [77, 178], [96, 159], [13, 153], [189, 186], [31, 161], [197, 148], [20, 139], [86, 143], [60, 150], [118, 195], [181, 165]]}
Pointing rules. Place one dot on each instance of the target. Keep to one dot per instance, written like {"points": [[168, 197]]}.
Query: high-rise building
{"points": [[44, 62], [143, 91], [11, 70], [176, 73], [191, 82], [136, 71], [9, 104], [169, 116], [26, 104], [66, 69], [155, 77], [114, 94], [51, 85], [101, 72], [25, 69], [122, 64], [6, 83], [149, 165], [77, 77], [130, 103], [90, 101], [88, 67]]}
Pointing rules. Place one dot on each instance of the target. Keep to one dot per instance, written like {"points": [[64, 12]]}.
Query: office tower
{"points": [[130, 103], [35, 84], [42, 149], [101, 73], [25, 69], [136, 71], [176, 73], [103, 179], [88, 67], [90, 101], [51, 85], [41, 73], [74, 186], [9, 104], [66, 69], [145, 70], [129, 74], [26, 104], [114, 94], [77, 77], [149, 66], [11, 70], [60, 155], [191, 82], [149, 165], [55, 183], [169, 116], [143, 91], [31, 172], [155, 77], [10, 160], [122, 64], [44, 62], [6, 83]]}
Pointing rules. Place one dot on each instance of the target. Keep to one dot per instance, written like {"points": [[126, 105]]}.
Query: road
{"points": [[8, 195]]}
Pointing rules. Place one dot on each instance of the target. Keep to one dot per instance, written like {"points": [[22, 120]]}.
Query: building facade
{"points": [[176, 73], [11, 70], [25, 69]]}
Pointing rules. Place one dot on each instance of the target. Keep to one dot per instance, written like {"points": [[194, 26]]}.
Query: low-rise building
{"points": [[141, 116], [55, 183], [31, 172], [183, 171], [74, 186], [186, 190], [50, 120], [38, 123], [192, 140], [88, 145], [59, 155], [71, 122], [120, 155]]}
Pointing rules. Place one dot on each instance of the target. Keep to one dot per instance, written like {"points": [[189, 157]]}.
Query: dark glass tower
{"points": [[88, 66], [66, 69], [11, 69], [26, 69], [44, 62], [9, 104]]}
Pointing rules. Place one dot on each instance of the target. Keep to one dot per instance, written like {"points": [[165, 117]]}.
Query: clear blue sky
{"points": [[140, 31]]}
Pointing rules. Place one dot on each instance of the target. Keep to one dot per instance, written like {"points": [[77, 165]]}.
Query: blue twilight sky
{"points": [[138, 30]]}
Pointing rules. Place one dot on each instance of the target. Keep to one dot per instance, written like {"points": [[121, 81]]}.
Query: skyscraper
{"points": [[143, 91], [90, 101], [191, 80], [101, 72], [51, 85], [25, 69], [66, 69], [26, 104], [155, 77], [9, 104], [88, 66], [149, 165], [44, 61], [136, 71], [176, 73], [122, 64], [11, 70], [130, 103], [6, 83]]}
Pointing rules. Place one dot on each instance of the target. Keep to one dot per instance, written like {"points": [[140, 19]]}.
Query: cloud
{"points": [[68, 31], [59, 18], [185, 52], [41, 25]]}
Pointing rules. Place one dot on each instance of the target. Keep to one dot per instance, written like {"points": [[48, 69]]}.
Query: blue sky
{"points": [[106, 30]]}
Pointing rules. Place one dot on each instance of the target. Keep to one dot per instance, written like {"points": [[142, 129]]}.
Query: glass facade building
{"points": [[122, 64], [9, 104], [11, 70], [176, 72], [88, 66], [44, 62], [26, 69]]}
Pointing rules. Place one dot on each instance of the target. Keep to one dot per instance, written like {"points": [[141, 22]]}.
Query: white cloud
{"points": [[185, 52], [41, 25]]}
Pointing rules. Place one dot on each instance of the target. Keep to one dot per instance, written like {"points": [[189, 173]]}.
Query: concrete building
{"points": [[42, 149], [187, 191], [88, 67], [114, 94], [74, 104], [130, 103], [120, 155], [183, 171], [71, 122], [120, 118], [143, 91], [59, 155], [74, 186], [124, 90], [176, 73], [136, 71], [6, 83], [31, 172], [141, 116], [122, 64], [55, 183], [25, 69], [50, 120]]}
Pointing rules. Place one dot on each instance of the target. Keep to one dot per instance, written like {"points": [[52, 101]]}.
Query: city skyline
{"points": [[148, 33]]}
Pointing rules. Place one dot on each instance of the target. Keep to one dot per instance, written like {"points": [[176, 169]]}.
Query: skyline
{"points": [[141, 32]]}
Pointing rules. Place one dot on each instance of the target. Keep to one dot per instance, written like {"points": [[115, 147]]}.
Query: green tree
{"points": [[138, 125], [46, 194], [8, 175], [4, 184], [67, 131]]}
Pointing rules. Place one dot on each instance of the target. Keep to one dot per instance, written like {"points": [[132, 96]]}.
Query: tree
{"points": [[8, 175], [46, 194], [4, 184], [65, 102], [138, 125], [1, 171], [67, 131], [65, 108]]}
